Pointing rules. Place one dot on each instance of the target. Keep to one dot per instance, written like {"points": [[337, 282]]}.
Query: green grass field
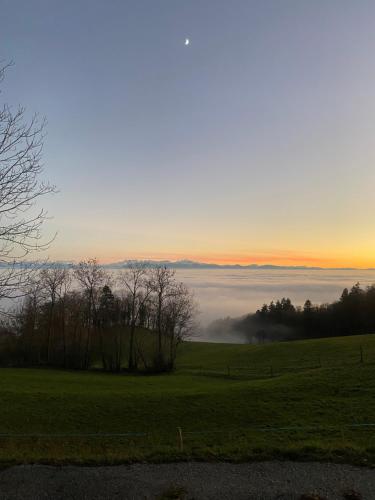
{"points": [[302, 400]]}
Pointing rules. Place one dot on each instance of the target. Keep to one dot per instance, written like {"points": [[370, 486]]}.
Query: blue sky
{"points": [[252, 144]]}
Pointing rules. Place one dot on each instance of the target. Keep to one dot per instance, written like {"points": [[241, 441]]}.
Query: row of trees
{"points": [[83, 317], [353, 313]]}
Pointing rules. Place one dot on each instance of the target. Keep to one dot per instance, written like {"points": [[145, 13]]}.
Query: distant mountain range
{"points": [[190, 264]]}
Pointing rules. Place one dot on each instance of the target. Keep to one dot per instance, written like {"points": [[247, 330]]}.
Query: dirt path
{"points": [[266, 481]]}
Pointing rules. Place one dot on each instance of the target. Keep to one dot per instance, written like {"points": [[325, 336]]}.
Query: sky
{"points": [[253, 144]]}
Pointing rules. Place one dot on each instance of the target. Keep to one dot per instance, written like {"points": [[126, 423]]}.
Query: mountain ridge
{"points": [[190, 264], [186, 264]]}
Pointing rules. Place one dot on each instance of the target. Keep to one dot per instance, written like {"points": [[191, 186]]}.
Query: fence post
{"points": [[181, 440]]}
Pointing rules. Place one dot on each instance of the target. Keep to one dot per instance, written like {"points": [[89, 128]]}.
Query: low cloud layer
{"points": [[223, 293]]}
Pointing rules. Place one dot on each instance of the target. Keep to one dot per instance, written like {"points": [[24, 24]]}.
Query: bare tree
{"points": [[162, 284], [138, 286], [28, 323], [179, 318], [108, 315], [55, 281], [91, 277], [21, 187], [72, 320]]}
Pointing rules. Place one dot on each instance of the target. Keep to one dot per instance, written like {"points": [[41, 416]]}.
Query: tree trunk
{"points": [[131, 347], [49, 334], [63, 335]]}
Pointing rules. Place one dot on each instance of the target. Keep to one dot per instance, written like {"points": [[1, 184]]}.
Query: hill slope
{"points": [[310, 399]]}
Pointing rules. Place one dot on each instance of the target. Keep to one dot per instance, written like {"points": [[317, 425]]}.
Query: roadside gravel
{"points": [[188, 481]]}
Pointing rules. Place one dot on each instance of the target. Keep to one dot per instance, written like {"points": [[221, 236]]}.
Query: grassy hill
{"points": [[307, 400], [283, 357]]}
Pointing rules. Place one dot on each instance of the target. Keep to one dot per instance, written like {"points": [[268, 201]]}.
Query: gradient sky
{"points": [[253, 144]]}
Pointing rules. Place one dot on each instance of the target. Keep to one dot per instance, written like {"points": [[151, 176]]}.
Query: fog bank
{"points": [[235, 293]]}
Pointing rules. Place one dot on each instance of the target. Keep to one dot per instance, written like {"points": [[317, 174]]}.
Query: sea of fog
{"points": [[220, 293], [226, 292]]}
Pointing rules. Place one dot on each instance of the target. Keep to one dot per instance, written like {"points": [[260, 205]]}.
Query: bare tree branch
{"points": [[21, 187]]}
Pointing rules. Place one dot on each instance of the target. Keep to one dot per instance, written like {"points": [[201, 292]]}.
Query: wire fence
{"points": [[180, 430], [249, 439], [271, 369]]}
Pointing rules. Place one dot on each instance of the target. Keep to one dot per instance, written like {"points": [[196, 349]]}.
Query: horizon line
{"points": [[191, 264]]}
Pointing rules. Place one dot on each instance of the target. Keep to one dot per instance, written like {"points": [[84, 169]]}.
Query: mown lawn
{"points": [[305, 400]]}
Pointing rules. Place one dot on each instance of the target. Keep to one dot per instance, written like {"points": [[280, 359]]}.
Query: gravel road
{"points": [[188, 481]]}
